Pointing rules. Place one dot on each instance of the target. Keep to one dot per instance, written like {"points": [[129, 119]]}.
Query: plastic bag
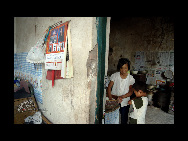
{"points": [[36, 118], [37, 53]]}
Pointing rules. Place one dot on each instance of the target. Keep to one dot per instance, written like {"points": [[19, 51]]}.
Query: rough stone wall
{"points": [[131, 34]]}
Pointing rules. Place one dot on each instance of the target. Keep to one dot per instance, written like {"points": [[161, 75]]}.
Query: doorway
{"points": [[149, 36], [101, 40]]}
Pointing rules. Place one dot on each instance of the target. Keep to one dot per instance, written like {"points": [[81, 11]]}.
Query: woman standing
{"points": [[120, 87]]}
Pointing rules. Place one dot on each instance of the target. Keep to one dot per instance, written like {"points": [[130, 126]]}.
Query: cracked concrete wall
{"points": [[92, 67], [68, 101], [131, 34], [92, 70]]}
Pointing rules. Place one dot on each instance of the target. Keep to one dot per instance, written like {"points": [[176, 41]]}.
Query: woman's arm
{"points": [[129, 93], [109, 91]]}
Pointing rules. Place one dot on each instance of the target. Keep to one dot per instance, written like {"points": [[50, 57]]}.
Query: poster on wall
{"points": [[56, 39], [171, 60], [56, 48], [139, 61]]}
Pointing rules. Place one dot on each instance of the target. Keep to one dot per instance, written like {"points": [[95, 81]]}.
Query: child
{"points": [[121, 83], [139, 103]]}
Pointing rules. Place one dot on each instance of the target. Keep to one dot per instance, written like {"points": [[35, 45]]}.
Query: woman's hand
{"points": [[129, 102], [119, 99], [129, 93]]}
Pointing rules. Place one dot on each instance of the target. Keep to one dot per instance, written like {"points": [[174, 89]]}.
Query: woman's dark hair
{"points": [[123, 61], [140, 85]]}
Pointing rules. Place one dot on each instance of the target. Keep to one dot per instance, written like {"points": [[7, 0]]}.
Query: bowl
{"points": [[143, 72], [151, 86], [134, 72]]}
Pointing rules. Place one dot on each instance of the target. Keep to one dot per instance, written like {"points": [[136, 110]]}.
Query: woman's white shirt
{"points": [[121, 86]]}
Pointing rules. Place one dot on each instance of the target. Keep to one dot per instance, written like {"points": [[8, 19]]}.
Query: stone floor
{"points": [[155, 115]]}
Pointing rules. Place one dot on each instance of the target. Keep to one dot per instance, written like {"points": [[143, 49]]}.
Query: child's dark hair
{"points": [[140, 85], [123, 61]]}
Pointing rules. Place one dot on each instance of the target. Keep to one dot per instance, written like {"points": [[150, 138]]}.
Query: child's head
{"points": [[140, 88], [123, 65]]}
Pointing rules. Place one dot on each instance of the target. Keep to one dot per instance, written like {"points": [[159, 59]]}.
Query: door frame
{"points": [[101, 40]]}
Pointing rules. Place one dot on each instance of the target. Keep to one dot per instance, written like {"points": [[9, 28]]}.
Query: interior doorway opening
{"points": [[150, 38]]}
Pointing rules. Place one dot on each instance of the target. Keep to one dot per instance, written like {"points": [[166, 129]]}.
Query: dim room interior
{"points": [[148, 42]]}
